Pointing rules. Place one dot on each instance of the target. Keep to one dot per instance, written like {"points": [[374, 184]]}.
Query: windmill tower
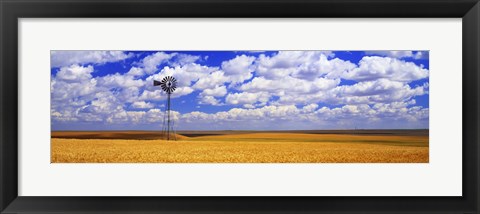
{"points": [[168, 84]]}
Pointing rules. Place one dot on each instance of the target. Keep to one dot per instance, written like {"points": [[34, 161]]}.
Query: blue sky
{"points": [[240, 90]]}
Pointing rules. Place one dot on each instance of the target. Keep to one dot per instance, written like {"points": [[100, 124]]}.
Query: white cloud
{"points": [[374, 67], [135, 71], [396, 111], [184, 59], [142, 105], [127, 94], [400, 54], [248, 106], [392, 54], [247, 98], [62, 115], [153, 95], [77, 96], [209, 100], [278, 117], [120, 80], [67, 58], [154, 115], [185, 75], [310, 108], [66, 92], [380, 91], [368, 92], [218, 91], [238, 69], [320, 65], [105, 102], [125, 87], [422, 55], [367, 88], [75, 73], [288, 85], [158, 94], [136, 117], [302, 64], [212, 80], [151, 62]]}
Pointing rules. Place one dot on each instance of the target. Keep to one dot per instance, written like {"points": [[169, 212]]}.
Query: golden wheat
{"points": [[247, 148]]}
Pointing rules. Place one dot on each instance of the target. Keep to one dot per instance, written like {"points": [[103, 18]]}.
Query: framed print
{"points": [[247, 110], [251, 106]]}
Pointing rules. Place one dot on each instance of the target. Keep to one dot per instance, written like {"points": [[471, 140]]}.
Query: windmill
{"points": [[168, 84]]}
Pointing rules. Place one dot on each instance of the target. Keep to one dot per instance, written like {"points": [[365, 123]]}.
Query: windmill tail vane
{"points": [[168, 85], [156, 83]]}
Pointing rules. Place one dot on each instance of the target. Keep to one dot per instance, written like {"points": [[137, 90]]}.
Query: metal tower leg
{"points": [[168, 116]]}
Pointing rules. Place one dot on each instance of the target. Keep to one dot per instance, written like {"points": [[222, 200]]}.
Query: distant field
{"points": [[151, 135], [369, 146], [133, 135]]}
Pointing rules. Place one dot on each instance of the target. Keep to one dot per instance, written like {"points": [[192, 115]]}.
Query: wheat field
{"points": [[246, 148]]}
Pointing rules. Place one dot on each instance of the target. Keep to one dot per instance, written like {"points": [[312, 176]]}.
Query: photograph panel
{"points": [[240, 106]]}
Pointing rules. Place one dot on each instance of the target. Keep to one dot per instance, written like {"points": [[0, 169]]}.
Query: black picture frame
{"points": [[12, 10]]}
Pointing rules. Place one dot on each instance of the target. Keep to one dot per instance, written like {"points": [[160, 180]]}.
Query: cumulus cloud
{"points": [[382, 90], [296, 75], [218, 91], [151, 62], [214, 79], [238, 69], [185, 75], [260, 98], [304, 64], [379, 79], [310, 108], [374, 67], [119, 80], [209, 100], [240, 114], [391, 54], [72, 82], [135, 71], [400, 54], [348, 116], [158, 94], [294, 86], [142, 105], [422, 55], [67, 58], [75, 73], [289, 84], [371, 92], [184, 59]]}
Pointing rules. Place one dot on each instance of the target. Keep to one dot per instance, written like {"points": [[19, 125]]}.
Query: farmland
{"points": [[241, 147]]}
